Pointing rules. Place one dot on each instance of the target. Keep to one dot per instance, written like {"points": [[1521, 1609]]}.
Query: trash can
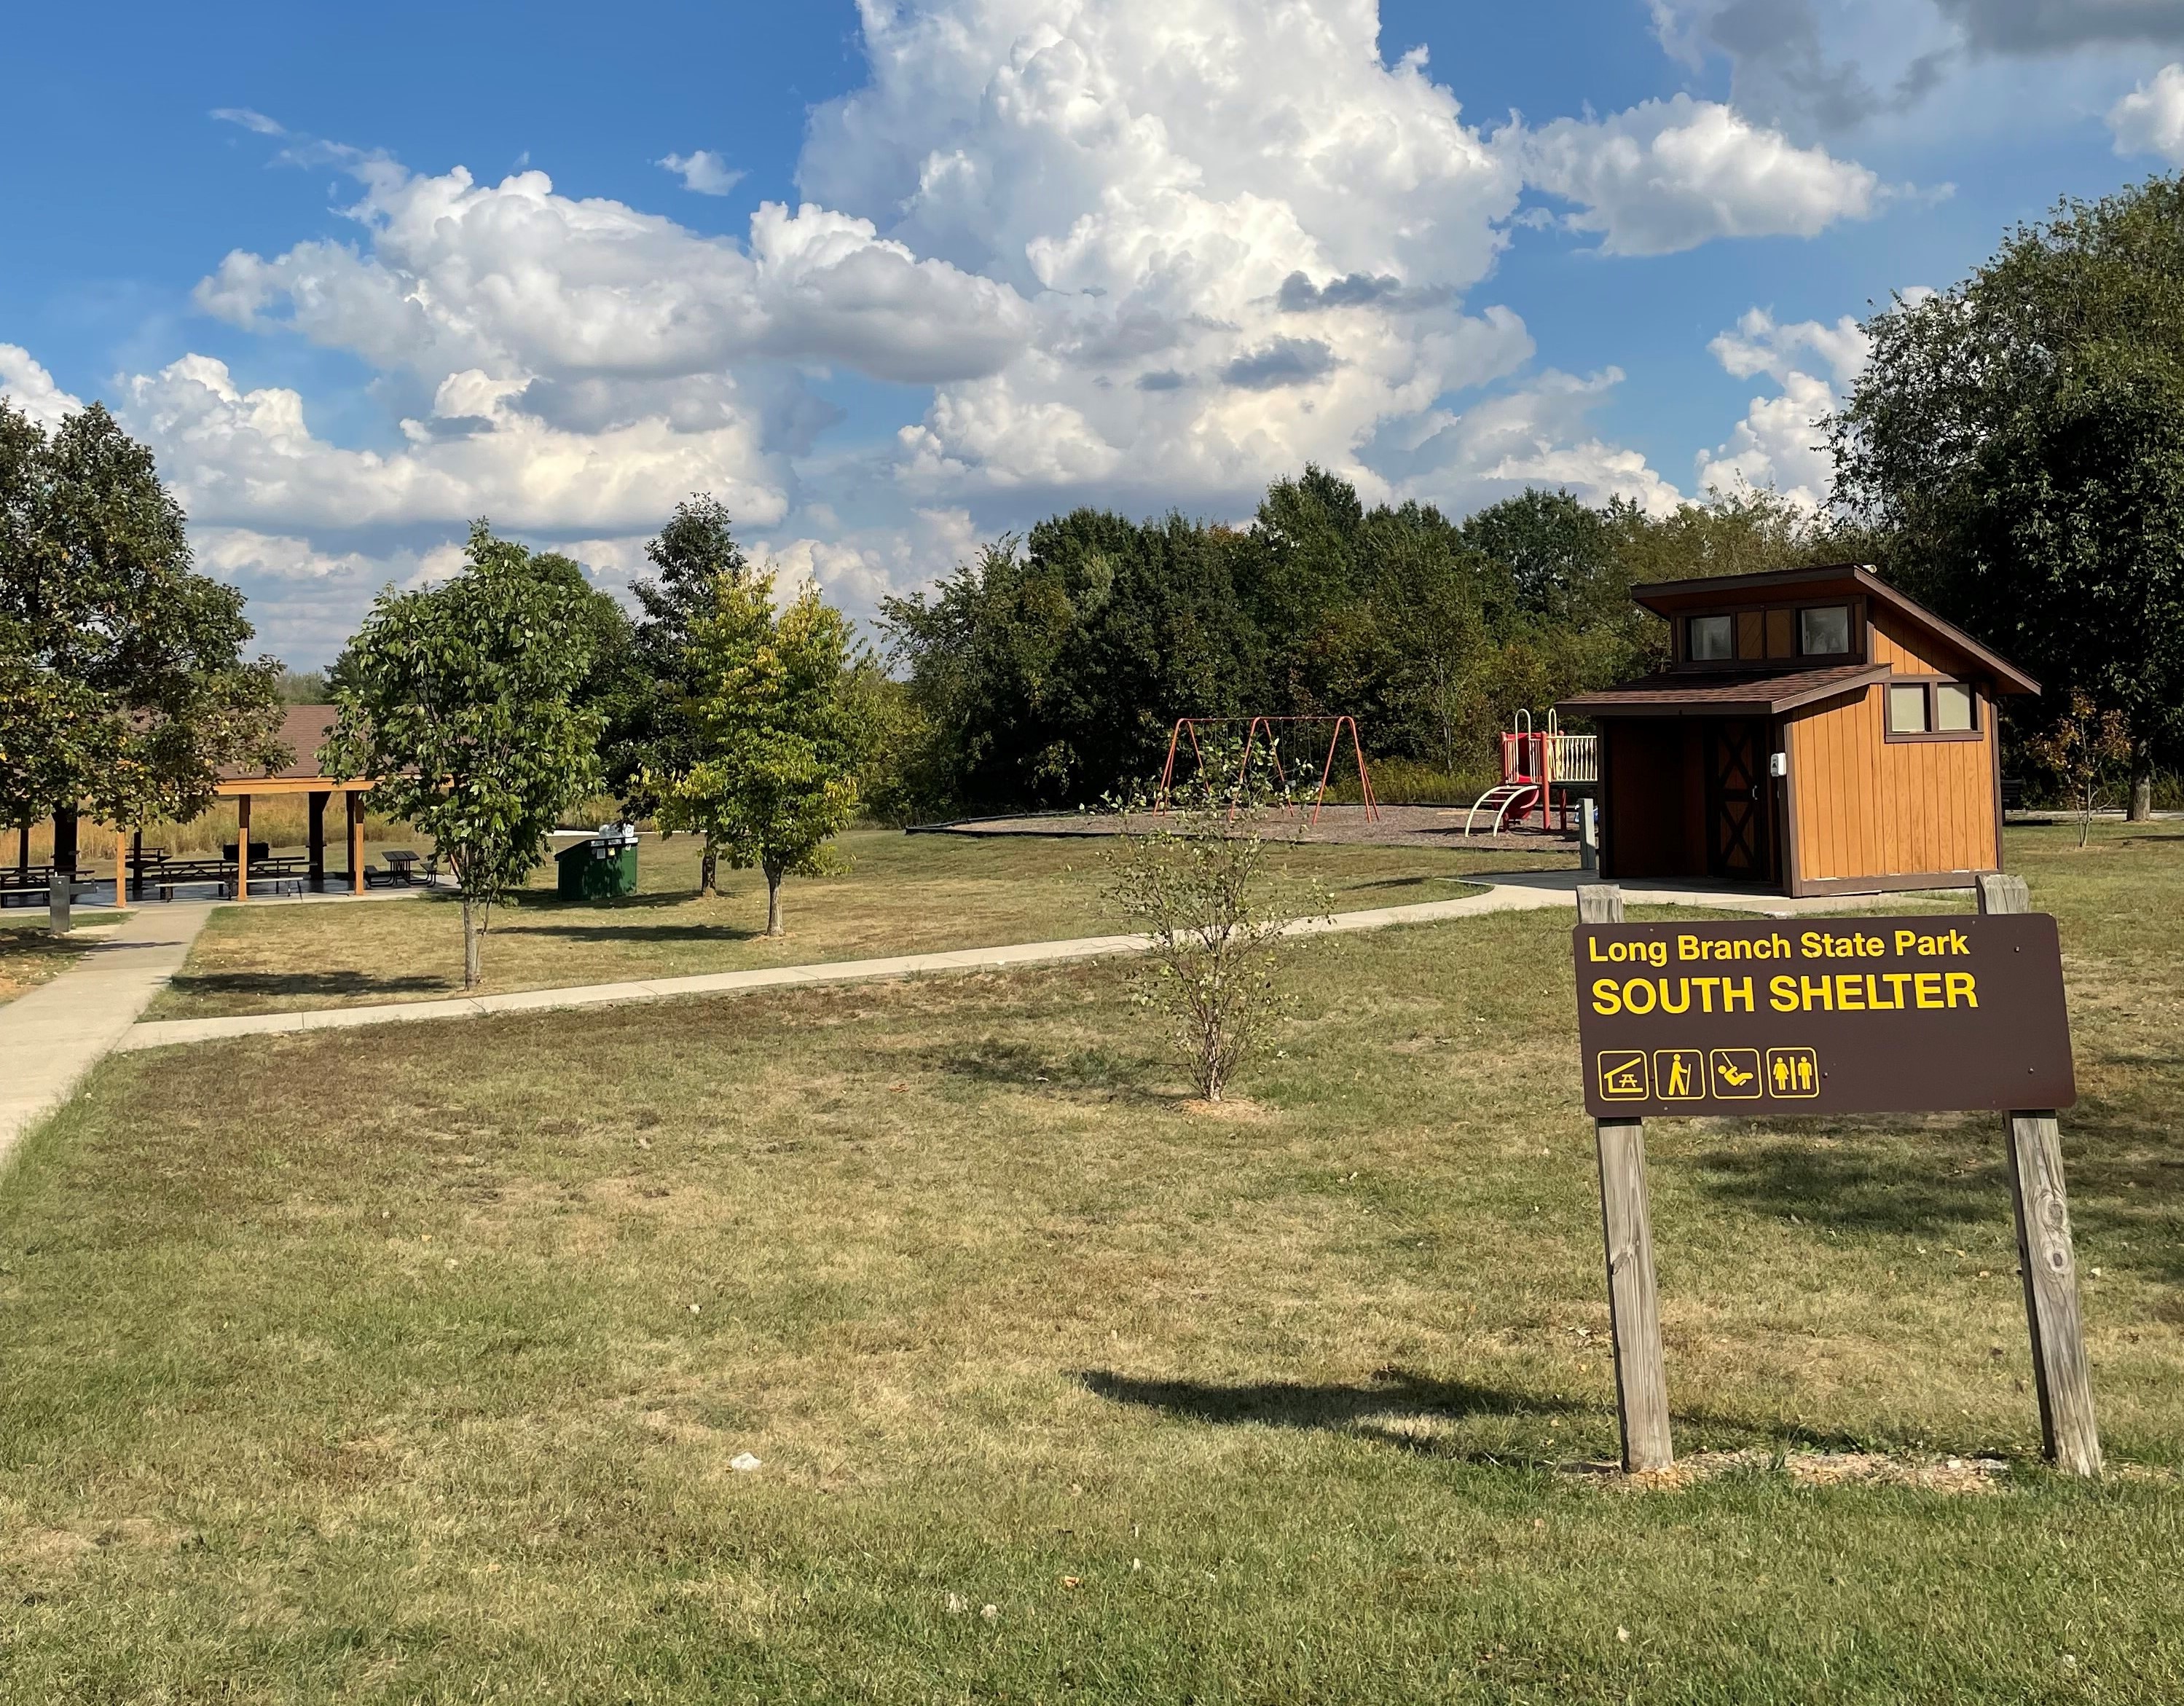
{"points": [[602, 868]]}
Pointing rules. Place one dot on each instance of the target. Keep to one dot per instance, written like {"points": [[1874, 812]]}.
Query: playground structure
{"points": [[1539, 769], [1263, 728]]}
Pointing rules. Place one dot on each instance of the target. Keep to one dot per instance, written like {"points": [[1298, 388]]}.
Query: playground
{"points": [[421, 1365]]}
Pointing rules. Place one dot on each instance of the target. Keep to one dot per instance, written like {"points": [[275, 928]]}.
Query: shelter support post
{"points": [[318, 839], [60, 888], [121, 867], [1634, 1304], [2047, 1258], [242, 846], [355, 804]]}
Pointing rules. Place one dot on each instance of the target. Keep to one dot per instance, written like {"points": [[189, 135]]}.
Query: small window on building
{"points": [[1953, 708], [1825, 632], [1712, 639], [1907, 709]]}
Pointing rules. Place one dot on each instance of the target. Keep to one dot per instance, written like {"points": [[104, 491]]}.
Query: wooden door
{"points": [[1740, 848]]}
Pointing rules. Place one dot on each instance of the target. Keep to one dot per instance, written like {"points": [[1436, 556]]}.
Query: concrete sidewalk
{"points": [[52, 1035], [1524, 891], [163, 1033]]}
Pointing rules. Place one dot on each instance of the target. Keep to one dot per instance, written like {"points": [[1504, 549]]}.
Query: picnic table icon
{"points": [[1623, 1074]]}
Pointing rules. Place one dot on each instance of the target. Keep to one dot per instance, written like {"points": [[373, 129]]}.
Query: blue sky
{"points": [[972, 261]]}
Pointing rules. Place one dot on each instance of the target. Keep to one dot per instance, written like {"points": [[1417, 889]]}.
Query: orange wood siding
{"points": [[1904, 651], [1867, 806]]}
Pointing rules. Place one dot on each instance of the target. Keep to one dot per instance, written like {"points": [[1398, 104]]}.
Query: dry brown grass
{"points": [[397, 1334]]}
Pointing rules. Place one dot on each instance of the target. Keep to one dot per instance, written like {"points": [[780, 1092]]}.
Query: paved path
{"points": [[1525, 891], [50, 1036], [161, 1033]]}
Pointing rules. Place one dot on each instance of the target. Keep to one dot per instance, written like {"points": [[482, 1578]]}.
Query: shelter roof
{"points": [[303, 731], [1684, 693], [1844, 580]]}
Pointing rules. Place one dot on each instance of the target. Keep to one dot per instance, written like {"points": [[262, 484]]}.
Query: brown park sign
{"points": [[1783, 1018]]}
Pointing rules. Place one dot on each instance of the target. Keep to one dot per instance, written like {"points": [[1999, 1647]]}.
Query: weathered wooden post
{"points": [[2045, 1257], [1634, 1304]]}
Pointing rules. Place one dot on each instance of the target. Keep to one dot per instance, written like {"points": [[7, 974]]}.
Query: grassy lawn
{"points": [[386, 1368], [29, 955], [901, 893]]}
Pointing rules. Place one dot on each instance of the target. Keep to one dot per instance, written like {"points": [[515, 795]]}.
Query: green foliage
{"points": [[1050, 671], [123, 684], [463, 700], [648, 731], [779, 726], [2022, 436]]}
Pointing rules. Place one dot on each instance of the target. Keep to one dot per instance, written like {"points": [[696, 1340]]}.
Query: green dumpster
{"points": [[602, 867]]}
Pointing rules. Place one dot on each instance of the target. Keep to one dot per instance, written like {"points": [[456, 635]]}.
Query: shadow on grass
{"points": [[343, 985], [1378, 1410], [604, 932], [1440, 881], [1954, 1184], [1018, 1066], [548, 901], [2126, 1195], [1297, 1404]]}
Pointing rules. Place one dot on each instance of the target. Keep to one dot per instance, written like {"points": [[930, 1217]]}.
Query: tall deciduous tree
{"points": [[124, 688], [778, 730], [2023, 435], [463, 699], [653, 735]]}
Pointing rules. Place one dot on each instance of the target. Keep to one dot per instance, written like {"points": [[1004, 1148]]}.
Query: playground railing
{"points": [[1573, 757]]}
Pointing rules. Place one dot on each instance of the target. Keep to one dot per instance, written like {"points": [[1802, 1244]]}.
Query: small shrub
{"points": [[1201, 875]]}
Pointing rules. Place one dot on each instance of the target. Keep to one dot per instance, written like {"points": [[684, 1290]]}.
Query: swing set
{"points": [[1263, 729]]}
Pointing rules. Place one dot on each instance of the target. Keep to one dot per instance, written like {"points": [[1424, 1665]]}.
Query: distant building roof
{"points": [[303, 731], [1684, 693]]}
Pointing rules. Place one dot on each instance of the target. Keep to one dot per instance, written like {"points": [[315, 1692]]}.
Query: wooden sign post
{"points": [[2047, 1258], [1626, 1222], [1762, 1017]]}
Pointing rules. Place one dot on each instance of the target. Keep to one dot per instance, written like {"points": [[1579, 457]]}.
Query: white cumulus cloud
{"points": [[248, 459], [1779, 443], [31, 389], [1244, 236], [703, 171], [518, 279], [2150, 119], [1671, 174]]}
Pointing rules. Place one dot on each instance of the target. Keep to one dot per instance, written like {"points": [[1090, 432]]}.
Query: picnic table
{"points": [[169, 873], [25, 881]]}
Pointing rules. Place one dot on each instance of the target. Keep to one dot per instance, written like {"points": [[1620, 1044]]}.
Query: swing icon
{"points": [[1736, 1074]]}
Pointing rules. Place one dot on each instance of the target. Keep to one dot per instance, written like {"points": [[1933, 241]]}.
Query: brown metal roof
{"points": [[303, 731], [1848, 580], [1684, 694]]}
